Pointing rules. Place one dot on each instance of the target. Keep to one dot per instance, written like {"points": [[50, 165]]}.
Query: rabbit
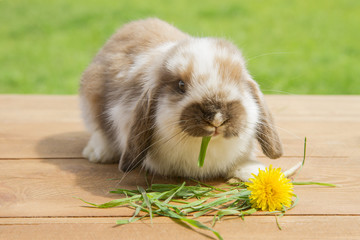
{"points": [[152, 92]]}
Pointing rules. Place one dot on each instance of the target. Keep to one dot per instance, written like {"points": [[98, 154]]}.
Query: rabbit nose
{"points": [[218, 120]]}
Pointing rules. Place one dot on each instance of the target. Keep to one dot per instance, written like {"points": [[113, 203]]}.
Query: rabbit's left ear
{"points": [[141, 133], [266, 131]]}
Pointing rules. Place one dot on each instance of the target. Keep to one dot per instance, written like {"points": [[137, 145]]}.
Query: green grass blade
{"points": [[228, 193], [314, 183], [277, 222], [188, 205], [222, 213], [203, 212], [175, 192], [125, 191], [238, 184], [294, 203], [147, 201], [204, 144], [225, 212], [137, 211], [209, 186], [115, 202], [179, 201], [217, 202], [162, 195], [118, 202], [248, 212], [92, 204], [200, 225], [165, 211], [142, 207], [162, 187], [303, 161], [126, 221]]}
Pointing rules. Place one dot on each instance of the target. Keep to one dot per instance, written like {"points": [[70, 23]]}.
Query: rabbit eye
{"points": [[181, 86]]}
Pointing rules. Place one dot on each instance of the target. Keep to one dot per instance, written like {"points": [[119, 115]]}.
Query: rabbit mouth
{"points": [[216, 132], [205, 130]]}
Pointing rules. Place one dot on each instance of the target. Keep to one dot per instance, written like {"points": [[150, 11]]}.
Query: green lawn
{"points": [[295, 46]]}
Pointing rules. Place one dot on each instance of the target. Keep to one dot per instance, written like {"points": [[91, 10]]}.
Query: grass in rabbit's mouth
{"points": [[186, 203], [204, 144]]}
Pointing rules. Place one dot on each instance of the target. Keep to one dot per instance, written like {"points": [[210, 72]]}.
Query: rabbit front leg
{"points": [[99, 150]]}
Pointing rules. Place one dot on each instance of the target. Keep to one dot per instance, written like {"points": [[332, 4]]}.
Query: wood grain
{"points": [[259, 227]]}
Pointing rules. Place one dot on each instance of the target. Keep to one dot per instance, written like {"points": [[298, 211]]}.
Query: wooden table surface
{"points": [[41, 171]]}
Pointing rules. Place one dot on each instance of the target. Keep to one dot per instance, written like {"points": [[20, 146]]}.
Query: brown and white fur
{"points": [[153, 92]]}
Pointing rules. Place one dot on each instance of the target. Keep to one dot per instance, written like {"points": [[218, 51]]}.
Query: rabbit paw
{"points": [[99, 151], [244, 170]]}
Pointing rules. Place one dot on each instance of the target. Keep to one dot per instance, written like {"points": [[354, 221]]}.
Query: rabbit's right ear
{"points": [[266, 135], [141, 132]]}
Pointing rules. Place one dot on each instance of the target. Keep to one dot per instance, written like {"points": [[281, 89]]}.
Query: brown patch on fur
{"points": [[266, 132], [236, 116], [228, 69], [170, 84], [99, 85], [224, 44], [139, 36], [179, 73], [141, 132], [187, 74], [202, 78], [170, 80], [92, 89], [197, 116]]}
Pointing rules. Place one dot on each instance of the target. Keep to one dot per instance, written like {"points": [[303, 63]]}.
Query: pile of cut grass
{"points": [[186, 203], [182, 201]]}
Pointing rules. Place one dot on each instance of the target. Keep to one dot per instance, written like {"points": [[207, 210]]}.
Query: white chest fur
{"points": [[178, 156]]}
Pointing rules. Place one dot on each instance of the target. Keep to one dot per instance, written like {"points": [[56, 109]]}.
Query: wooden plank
{"points": [[48, 187], [325, 138], [337, 106], [40, 127], [259, 227], [31, 188], [52, 127], [42, 140]]}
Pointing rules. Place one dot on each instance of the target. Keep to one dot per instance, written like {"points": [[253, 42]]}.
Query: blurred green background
{"points": [[292, 47]]}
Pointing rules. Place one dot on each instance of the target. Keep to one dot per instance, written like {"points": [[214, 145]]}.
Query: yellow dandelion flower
{"points": [[270, 190]]}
